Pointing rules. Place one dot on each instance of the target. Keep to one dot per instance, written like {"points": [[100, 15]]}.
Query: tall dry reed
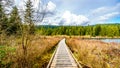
{"points": [[94, 53]]}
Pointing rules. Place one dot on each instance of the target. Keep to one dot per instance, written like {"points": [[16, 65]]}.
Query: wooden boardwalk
{"points": [[62, 57]]}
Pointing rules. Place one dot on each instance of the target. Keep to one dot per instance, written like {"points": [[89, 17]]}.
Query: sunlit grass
{"points": [[95, 54], [39, 52]]}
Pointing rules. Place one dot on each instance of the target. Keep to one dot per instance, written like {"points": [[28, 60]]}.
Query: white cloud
{"points": [[66, 18], [36, 4], [106, 9], [53, 20], [108, 16], [100, 10], [50, 14], [104, 13], [51, 7], [101, 14], [21, 4], [69, 18]]}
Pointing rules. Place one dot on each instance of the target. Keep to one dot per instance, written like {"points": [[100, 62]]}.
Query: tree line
{"points": [[109, 30], [10, 21]]}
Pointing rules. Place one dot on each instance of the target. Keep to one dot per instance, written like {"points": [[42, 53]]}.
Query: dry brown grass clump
{"points": [[39, 51], [95, 54]]}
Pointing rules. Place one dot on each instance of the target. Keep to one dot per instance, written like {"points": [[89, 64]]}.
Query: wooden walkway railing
{"points": [[63, 58]]}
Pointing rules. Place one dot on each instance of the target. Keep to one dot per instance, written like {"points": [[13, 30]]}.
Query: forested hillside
{"points": [[109, 30]]}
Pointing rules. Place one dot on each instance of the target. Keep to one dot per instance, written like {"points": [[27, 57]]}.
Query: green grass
{"points": [[5, 55]]}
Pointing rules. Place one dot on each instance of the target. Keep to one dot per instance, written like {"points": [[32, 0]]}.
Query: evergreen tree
{"points": [[14, 22], [119, 29], [97, 30], [29, 16], [112, 31], [3, 20], [103, 31]]}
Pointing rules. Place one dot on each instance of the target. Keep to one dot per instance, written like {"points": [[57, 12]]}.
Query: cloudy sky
{"points": [[77, 12]]}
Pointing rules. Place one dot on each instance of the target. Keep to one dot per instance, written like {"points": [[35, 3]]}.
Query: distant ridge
{"points": [[54, 26]]}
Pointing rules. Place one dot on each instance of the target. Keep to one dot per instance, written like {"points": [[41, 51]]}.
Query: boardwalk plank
{"points": [[63, 57]]}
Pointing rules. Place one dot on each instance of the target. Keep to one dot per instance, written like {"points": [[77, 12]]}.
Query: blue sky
{"points": [[79, 12]]}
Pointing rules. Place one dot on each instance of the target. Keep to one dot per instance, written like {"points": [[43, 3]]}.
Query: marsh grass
{"points": [[95, 54], [39, 52]]}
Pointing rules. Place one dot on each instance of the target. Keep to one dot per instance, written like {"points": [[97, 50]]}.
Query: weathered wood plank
{"points": [[63, 57]]}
